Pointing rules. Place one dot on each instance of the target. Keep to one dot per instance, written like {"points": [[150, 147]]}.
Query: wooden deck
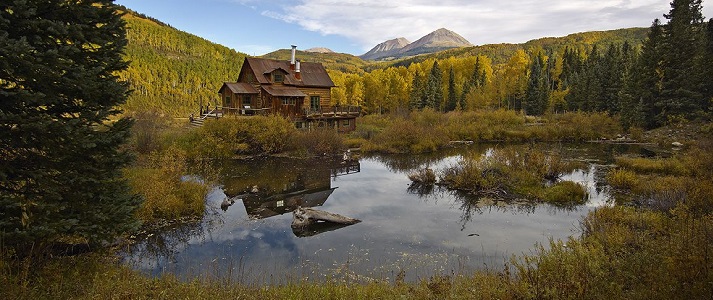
{"points": [[333, 112]]}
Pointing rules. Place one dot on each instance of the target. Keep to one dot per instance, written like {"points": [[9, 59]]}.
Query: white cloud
{"points": [[369, 22]]}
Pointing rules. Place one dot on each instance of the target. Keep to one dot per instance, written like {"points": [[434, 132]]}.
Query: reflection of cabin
{"points": [[299, 91], [310, 189]]}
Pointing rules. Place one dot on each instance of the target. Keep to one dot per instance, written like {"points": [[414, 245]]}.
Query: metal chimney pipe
{"points": [[292, 61], [298, 75]]}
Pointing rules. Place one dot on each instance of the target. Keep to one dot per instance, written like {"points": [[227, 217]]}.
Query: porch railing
{"points": [[334, 111]]}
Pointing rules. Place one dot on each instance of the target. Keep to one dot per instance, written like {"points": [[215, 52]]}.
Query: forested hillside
{"points": [[332, 61], [171, 71], [648, 77], [489, 76], [500, 53]]}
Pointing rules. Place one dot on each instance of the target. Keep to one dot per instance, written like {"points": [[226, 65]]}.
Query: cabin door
{"points": [[314, 103]]}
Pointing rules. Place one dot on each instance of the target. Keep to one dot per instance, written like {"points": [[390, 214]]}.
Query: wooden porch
{"points": [[333, 112]]}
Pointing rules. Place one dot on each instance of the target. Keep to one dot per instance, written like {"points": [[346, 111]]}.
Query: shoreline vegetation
{"points": [[654, 243], [68, 179]]}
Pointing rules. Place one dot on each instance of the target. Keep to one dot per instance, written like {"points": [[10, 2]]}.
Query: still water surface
{"points": [[416, 232]]}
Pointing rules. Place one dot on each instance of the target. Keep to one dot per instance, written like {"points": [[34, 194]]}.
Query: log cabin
{"points": [[300, 91]]}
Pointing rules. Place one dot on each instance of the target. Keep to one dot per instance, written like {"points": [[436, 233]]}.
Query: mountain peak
{"points": [[385, 49], [439, 40], [319, 50]]}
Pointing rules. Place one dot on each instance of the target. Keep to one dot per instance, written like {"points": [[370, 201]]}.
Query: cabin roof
{"points": [[238, 88], [283, 91], [311, 74]]}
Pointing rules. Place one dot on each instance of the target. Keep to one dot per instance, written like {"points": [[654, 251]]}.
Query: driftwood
{"points": [[316, 228], [309, 216], [309, 221]]}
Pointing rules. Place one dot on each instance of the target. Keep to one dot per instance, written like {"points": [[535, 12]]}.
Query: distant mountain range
{"points": [[439, 40], [319, 50]]}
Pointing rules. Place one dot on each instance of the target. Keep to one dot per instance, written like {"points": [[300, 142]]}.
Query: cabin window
{"points": [[278, 77], [247, 99], [314, 103], [227, 100], [345, 123], [288, 101]]}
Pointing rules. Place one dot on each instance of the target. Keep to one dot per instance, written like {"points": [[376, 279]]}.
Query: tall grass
{"points": [[427, 130], [509, 174]]}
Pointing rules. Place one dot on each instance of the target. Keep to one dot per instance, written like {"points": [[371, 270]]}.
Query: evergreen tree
{"points": [[628, 103], [60, 161], [705, 67], [417, 92], [611, 78], [463, 96], [646, 78], [571, 66], [477, 79], [452, 100], [537, 92], [680, 94], [434, 88]]}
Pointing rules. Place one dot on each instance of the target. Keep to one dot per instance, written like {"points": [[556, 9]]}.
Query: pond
{"points": [[405, 232]]}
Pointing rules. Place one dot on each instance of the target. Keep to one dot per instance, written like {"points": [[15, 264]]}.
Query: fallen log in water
{"points": [[309, 216], [316, 228]]}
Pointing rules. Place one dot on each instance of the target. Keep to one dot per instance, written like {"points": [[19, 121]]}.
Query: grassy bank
{"points": [[427, 130]]}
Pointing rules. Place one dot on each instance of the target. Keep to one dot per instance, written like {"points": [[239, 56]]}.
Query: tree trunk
{"points": [[308, 216]]}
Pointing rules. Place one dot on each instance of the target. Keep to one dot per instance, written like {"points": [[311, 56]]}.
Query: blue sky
{"points": [[257, 27]]}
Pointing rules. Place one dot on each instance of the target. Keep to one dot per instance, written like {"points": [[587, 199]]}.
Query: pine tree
{"points": [[680, 94], [537, 92], [611, 79], [628, 103], [463, 96], [60, 161], [417, 92], [705, 67], [646, 77], [452, 100], [478, 76], [434, 88]]}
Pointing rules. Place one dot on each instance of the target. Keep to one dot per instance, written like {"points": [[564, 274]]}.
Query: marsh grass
{"points": [[427, 130], [565, 193], [511, 173]]}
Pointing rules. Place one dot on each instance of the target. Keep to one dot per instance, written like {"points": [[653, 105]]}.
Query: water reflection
{"points": [[421, 230], [309, 186]]}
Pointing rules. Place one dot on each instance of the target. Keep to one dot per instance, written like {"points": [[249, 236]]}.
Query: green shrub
{"points": [[319, 141], [566, 193], [404, 136], [227, 137]]}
